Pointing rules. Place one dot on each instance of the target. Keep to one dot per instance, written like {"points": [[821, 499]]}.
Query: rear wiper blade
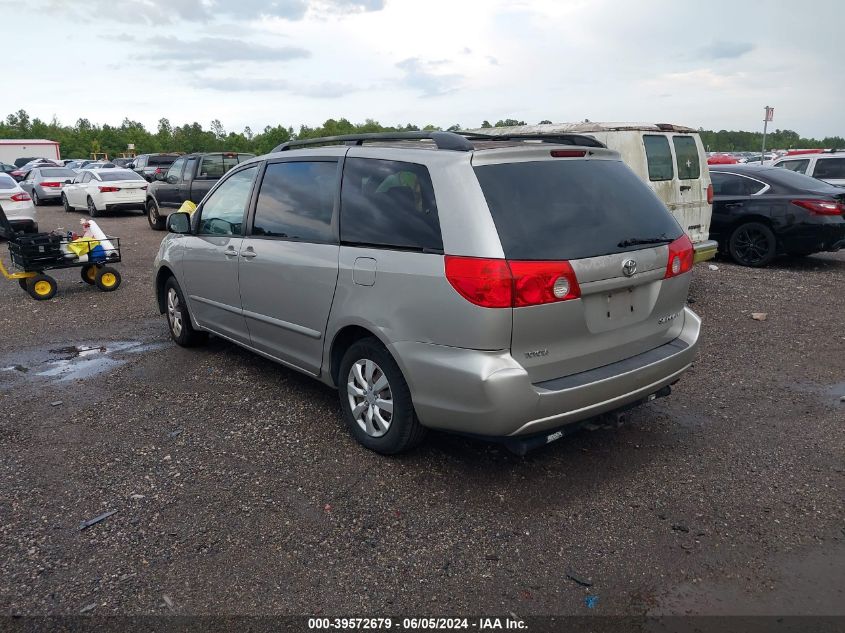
{"points": [[636, 241]]}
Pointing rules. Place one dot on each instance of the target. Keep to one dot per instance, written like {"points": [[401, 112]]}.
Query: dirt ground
{"points": [[236, 489]]}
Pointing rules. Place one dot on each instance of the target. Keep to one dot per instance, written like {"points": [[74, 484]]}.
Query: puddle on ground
{"points": [[74, 362]]}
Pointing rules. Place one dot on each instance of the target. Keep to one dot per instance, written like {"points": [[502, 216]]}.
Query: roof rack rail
{"points": [[562, 138], [443, 140]]}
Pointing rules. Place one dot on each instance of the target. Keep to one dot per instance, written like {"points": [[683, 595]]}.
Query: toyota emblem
{"points": [[629, 267]]}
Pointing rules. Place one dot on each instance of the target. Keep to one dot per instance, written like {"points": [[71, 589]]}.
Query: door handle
{"points": [[733, 205], [686, 187], [230, 252], [249, 253]]}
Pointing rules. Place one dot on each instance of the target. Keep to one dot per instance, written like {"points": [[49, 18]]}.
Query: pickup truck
{"points": [[190, 177]]}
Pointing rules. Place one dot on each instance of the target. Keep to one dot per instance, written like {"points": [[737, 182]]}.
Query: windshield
{"points": [[118, 174], [57, 173], [572, 209]]}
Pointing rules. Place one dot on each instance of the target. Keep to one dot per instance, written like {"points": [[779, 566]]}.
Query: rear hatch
{"points": [[592, 215]]}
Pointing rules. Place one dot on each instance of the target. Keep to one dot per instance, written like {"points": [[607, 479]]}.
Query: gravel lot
{"points": [[237, 490]]}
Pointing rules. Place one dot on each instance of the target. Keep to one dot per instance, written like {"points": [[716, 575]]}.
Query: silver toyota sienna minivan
{"points": [[509, 289]]}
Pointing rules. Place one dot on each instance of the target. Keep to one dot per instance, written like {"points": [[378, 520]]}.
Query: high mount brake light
{"points": [[681, 255], [499, 283], [568, 153]]}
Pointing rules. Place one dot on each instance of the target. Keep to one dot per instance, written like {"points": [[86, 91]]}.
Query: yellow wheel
{"points": [[41, 287], [107, 279], [89, 274]]}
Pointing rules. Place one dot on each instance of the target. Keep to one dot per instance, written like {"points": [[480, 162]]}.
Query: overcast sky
{"points": [[713, 64]]}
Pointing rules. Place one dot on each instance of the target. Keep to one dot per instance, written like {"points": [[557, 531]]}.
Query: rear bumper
{"points": [[49, 193], [490, 394], [125, 206], [827, 236], [705, 250]]}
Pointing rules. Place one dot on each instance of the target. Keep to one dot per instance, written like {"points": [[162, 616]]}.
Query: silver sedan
{"points": [[44, 184]]}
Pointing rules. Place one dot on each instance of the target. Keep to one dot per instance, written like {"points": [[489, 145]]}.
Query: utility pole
{"points": [[770, 114]]}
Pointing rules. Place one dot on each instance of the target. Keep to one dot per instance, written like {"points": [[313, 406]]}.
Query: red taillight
{"points": [[51, 184], [484, 282], [499, 283], [680, 257], [821, 207], [568, 153], [710, 194], [20, 197], [108, 189], [535, 283]]}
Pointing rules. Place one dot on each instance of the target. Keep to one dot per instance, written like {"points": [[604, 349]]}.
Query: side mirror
{"points": [[158, 176], [171, 180], [179, 223], [68, 182]]}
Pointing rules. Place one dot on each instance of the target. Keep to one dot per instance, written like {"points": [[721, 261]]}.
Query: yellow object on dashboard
{"points": [[187, 207]]}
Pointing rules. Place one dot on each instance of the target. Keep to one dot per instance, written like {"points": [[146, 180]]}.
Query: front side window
{"points": [[175, 170], [223, 212], [799, 166], [659, 157], [829, 168], [296, 201], [389, 203], [686, 153]]}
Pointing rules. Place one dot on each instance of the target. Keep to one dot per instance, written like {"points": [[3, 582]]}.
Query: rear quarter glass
{"points": [[571, 209]]}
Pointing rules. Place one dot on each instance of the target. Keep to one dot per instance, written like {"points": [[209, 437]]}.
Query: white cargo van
{"points": [[669, 158]]}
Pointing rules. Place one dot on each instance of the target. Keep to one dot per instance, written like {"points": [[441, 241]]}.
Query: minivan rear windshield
{"points": [[572, 209]]}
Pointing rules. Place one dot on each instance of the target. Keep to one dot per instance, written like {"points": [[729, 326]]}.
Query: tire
{"points": [[35, 199], [107, 279], [752, 244], [365, 366], [22, 283], [65, 204], [89, 274], [41, 287], [155, 220], [176, 311], [92, 208]]}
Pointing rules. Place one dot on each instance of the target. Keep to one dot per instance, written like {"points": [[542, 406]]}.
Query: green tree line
{"points": [[83, 138]]}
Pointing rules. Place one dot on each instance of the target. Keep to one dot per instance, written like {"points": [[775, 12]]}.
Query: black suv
{"points": [[148, 165]]}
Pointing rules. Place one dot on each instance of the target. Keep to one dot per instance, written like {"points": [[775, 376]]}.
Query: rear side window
{"points": [[212, 168], [659, 157], [686, 153], [296, 201], [733, 185], [829, 168], [389, 203], [799, 166], [571, 209]]}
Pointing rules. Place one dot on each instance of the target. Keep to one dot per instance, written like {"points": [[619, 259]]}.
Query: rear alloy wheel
{"points": [[376, 400], [65, 204], [155, 220], [752, 244], [178, 319], [92, 208], [35, 199]]}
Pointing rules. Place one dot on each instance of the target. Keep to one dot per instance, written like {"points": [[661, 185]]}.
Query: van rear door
{"points": [[691, 181], [598, 216]]}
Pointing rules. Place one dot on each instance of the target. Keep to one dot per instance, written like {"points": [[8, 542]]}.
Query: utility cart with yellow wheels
{"points": [[33, 254]]}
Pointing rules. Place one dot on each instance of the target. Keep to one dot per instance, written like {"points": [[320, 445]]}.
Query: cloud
{"points": [[216, 49], [326, 90], [726, 50], [169, 11], [419, 75]]}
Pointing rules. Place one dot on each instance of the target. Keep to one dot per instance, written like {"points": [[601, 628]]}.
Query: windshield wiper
{"points": [[636, 241]]}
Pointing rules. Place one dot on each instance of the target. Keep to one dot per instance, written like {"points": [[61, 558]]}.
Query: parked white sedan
{"points": [[17, 205], [105, 190]]}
